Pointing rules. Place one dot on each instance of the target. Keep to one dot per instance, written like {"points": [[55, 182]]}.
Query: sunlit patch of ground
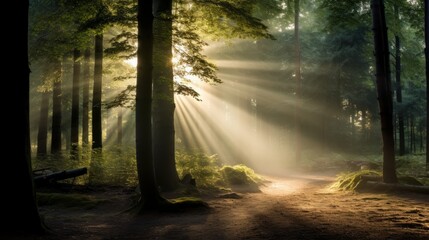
{"points": [[288, 207]]}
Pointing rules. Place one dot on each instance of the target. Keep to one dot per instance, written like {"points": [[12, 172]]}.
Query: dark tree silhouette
{"points": [[163, 97], [42, 135], [75, 101], [57, 109], [20, 209], [144, 153], [384, 89], [97, 91]]}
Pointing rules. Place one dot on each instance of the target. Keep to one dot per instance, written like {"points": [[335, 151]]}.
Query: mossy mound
{"points": [[241, 178], [351, 181], [240, 175]]}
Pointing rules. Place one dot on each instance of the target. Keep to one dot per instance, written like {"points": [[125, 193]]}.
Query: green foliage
{"points": [[411, 165], [240, 175], [351, 181], [202, 167], [115, 166], [210, 174], [220, 19]]}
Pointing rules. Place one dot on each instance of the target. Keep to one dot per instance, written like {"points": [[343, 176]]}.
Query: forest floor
{"points": [[288, 207]]}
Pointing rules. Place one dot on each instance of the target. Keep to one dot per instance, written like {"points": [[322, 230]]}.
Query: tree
{"points": [[57, 109], [97, 138], [298, 90], [21, 209], [75, 102], [42, 135], [163, 97], [398, 71], [384, 89], [150, 196], [85, 96], [426, 8]]}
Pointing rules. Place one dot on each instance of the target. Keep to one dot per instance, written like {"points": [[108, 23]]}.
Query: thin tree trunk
{"points": [[298, 91], [398, 86], [97, 92], [42, 135], [144, 152], [119, 127], [85, 97], [384, 89], [364, 123], [74, 135], [427, 80], [163, 98], [56, 140], [412, 135], [421, 134]]}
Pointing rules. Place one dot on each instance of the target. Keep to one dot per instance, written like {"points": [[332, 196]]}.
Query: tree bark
{"points": [[74, 134], [119, 127], [97, 93], [42, 135], [398, 85], [144, 153], [298, 91], [163, 97], [85, 97], [427, 80], [384, 89], [57, 110]]}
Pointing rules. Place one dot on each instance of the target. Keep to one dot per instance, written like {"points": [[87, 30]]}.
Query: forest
{"points": [[216, 119]]}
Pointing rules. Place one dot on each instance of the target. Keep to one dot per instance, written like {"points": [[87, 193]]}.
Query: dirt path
{"points": [[287, 208]]}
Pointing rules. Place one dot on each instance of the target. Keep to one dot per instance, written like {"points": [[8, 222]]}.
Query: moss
{"points": [[68, 200], [352, 180], [240, 175]]}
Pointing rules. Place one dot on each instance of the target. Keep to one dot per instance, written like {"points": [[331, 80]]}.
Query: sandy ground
{"points": [[289, 207]]}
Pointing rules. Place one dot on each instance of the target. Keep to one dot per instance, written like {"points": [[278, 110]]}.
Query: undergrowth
{"points": [[116, 166], [351, 181]]}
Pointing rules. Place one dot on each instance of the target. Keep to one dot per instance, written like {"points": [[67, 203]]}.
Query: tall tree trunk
{"points": [[412, 135], [85, 97], [57, 109], [398, 85], [421, 134], [427, 80], [74, 135], [96, 98], [20, 210], [119, 127], [384, 89], [42, 135], [298, 91], [144, 152], [163, 97]]}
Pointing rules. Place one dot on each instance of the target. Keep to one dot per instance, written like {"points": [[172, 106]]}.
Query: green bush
{"points": [[204, 168]]}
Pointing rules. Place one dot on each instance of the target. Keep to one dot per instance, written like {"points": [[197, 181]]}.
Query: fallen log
{"points": [[60, 175], [381, 186]]}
